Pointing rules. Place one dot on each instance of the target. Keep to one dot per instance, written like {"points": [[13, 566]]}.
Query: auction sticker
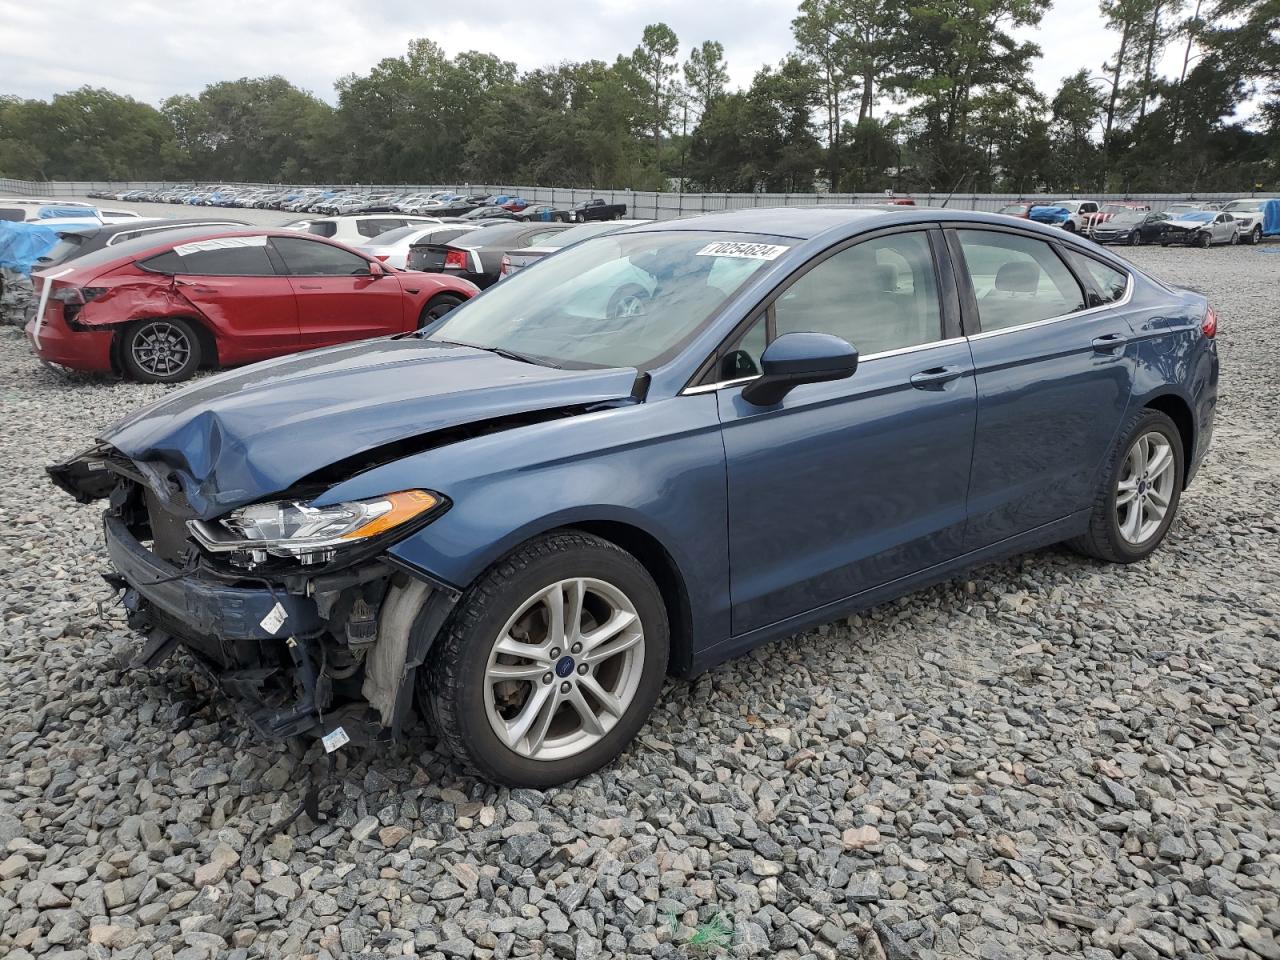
{"points": [[334, 739], [274, 619], [745, 251], [219, 243]]}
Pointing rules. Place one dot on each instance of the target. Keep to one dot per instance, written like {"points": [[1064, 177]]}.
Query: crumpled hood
{"points": [[241, 436], [1188, 223]]}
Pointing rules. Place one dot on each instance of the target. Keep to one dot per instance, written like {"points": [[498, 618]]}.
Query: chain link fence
{"points": [[640, 204]]}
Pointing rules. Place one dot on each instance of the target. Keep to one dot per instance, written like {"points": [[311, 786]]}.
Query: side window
{"points": [[743, 359], [373, 228], [1109, 282], [311, 258], [226, 257], [167, 262], [1088, 208], [1017, 279], [879, 295]]}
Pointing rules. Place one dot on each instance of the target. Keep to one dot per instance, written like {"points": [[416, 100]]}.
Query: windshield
{"points": [[575, 234], [391, 236], [1245, 206], [625, 300]]}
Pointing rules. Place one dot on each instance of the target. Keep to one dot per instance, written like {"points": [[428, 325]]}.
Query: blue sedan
{"points": [[648, 453]]}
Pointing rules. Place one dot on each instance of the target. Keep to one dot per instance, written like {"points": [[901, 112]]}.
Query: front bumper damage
{"points": [[297, 650]]}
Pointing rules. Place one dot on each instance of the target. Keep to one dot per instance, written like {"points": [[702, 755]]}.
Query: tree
{"points": [[850, 43], [960, 53], [1077, 108], [256, 129], [654, 61], [705, 74]]}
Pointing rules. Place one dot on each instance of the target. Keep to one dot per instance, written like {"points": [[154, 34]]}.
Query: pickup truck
{"points": [[597, 210]]}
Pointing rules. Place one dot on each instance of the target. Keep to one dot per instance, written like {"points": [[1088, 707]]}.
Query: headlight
{"points": [[291, 528]]}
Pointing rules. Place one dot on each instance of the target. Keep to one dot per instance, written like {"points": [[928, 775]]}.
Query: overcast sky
{"points": [[151, 49]]}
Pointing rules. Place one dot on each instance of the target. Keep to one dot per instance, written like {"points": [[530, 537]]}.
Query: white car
{"points": [[1248, 214], [1082, 213], [392, 248], [357, 229]]}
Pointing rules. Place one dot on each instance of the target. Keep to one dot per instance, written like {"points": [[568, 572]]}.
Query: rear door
{"points": [[339, 300], [234, 284], [1054, 360]]}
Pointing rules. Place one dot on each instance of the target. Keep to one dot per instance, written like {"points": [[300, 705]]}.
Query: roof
{"points": [[808, 222]]}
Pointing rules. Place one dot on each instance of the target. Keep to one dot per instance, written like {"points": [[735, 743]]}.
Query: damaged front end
{"points": [[294, 611]]}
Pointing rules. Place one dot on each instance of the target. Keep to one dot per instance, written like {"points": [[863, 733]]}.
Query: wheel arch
{"points": [[208, 342], [1179, 411], [655, 558]]}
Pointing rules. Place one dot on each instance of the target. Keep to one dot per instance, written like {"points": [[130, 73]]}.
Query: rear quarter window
{"points": [[325, 229], [167, 262]]}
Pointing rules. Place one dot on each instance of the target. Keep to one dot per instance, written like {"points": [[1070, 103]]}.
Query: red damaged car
{"points": [[157, 309]]}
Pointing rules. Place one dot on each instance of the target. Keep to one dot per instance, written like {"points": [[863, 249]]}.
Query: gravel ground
{"points": [[1049, 758]]}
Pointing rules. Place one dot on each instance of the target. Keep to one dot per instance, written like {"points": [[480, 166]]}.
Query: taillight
{"points": [[381, 256], [506, 266], [1210, 325], [455, 260]]}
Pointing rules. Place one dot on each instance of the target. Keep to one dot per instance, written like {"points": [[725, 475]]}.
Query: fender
{"points": [[613, 465]]}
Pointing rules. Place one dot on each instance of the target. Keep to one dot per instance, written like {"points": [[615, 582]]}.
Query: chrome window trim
{"points": [[1122, 302], [915, 348]]}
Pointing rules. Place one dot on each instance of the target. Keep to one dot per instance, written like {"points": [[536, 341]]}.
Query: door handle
{"points": [[1109, 342], [935, 378], [310, 286]]}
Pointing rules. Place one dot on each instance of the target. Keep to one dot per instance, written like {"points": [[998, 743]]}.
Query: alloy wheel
{"points": [[565, 669], [1145, 488], [161, 349]]}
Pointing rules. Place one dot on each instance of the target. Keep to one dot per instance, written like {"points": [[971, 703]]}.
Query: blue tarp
{"points": [[1049, 214], [1271, 219], [54, 213], [22, 243]]}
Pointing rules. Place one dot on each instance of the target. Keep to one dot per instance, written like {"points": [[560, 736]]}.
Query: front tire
{"points": [[1255, 236], [551, 662], [438, 306], [1203, 240], [1140, 493], [165, 350], [1135, 239]]}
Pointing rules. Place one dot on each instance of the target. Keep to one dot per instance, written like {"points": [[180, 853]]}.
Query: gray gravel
{"points": [[1049, 758]]}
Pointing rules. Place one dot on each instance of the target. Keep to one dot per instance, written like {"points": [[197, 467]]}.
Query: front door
{"points": [[1054, 360], [339, 300], [848, 485]]}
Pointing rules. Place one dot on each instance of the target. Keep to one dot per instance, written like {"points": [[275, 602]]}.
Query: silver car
{"points": [[1200, 228]]}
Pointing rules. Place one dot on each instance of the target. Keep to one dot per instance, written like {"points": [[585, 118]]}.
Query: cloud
{"points": [[151, 50]]}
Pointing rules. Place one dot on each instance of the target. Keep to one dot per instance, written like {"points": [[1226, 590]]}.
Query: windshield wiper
{"points": [[512, 355], [505, 353]]}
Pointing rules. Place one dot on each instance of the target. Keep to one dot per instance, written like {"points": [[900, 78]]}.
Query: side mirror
{"points": [[376, 270], [796, 358]]}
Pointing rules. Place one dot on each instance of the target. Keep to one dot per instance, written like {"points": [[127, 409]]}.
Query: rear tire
{"points": [[1122, 525], [471, 695], [165, 350], [438, 306]]}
